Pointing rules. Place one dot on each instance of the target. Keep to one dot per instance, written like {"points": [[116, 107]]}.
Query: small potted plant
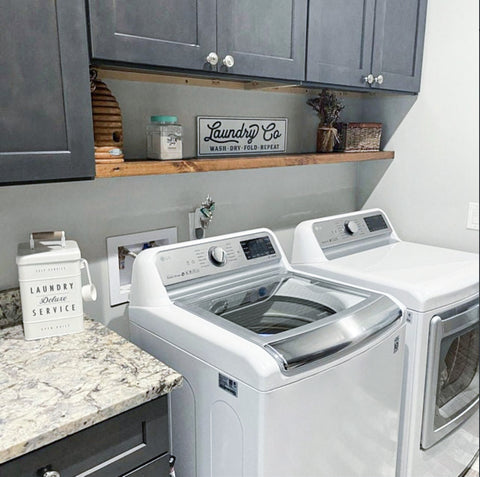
{"points": [[328, 107]]}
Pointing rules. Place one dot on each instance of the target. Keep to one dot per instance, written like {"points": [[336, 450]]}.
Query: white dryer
{"points": [[284, 374], [439, 287]]}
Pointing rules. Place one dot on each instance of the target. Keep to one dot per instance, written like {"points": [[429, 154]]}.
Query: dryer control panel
{"points": [[339, 231], [207, 258]]}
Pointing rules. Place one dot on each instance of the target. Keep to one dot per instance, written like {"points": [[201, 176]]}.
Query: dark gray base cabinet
{"points": [[264, 39], [134, 444], [46, 131], [348, 40]]}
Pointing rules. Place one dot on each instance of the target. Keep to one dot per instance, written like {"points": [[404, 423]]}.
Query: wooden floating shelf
{"points": [[143, 168]]}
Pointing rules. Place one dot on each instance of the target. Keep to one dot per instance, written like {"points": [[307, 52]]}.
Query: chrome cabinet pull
{"points": [[369, 79], [212, 58], [379, 79], [51, 473], [229, 61]]}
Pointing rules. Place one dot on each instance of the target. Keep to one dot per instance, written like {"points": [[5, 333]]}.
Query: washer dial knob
{"points": [[217, 256], [351, 227]]}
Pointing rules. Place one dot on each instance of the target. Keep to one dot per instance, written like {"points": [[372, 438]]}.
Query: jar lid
{"points": [[163, 119]]}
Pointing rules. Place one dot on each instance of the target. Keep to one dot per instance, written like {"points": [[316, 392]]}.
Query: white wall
{"points": [[427, 187], [90, 211]]}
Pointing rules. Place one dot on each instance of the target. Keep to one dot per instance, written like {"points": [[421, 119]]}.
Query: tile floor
{"points": [[474, 470]]}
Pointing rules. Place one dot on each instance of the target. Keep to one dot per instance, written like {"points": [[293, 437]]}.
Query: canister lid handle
{"points": [[51, 236]]}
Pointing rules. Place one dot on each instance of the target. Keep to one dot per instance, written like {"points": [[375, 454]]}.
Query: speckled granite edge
{"points": [[10, 308], [54, 387]]}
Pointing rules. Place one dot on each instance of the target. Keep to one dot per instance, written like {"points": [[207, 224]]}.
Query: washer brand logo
{"points": [[396, 344]]}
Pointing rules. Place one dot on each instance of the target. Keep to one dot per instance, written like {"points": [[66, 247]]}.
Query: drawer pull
{"points": [[51, 473]]}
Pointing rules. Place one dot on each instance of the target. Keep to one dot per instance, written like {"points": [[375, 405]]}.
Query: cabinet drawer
{"points": [[156, 468], [111, 448]]}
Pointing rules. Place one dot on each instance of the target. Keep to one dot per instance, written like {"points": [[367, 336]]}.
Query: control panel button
{"points": [[351, 227], [217, 256]]}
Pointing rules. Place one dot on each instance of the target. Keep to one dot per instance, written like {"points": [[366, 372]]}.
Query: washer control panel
{"points": [[332, 232], [205, 259]]}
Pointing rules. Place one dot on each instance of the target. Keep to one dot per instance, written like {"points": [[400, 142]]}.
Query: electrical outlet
{"points": [[472, 221], [122, 250]]}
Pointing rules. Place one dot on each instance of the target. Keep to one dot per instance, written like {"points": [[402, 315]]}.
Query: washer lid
{"points": [[423, 277], [297, 319]]}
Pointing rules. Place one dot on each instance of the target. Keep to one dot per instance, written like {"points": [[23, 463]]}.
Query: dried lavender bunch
{"points": [[328, 107]]}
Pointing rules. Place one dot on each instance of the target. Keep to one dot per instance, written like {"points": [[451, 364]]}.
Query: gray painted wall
{"points": [[89, 212], [427, 188]]}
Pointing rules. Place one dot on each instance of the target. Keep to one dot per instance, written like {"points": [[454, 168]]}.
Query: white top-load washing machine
{"points": [[440, 290], [284, 374]]}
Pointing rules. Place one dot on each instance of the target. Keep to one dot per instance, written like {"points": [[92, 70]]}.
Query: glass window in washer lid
{"points": [[280, 304]]}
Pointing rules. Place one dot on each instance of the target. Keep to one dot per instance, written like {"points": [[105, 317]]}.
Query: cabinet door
{"points": [[340, 38], [110, 448], [46, 128], [174, 33], [266, 39], [398, 44]]}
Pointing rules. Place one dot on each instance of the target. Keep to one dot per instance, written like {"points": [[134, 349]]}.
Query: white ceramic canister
{"points": [[49, 272]]}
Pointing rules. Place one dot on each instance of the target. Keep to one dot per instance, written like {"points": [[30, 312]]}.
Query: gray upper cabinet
{"points": [[265, 39], [398, 44], [46, 129], [239, 37], [172, 33], [366, 43], [340, 40]]}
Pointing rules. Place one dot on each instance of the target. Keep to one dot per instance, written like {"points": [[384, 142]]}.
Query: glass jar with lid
{"points": [[164, 138]]}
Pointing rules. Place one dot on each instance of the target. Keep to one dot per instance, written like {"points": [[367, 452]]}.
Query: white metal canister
{"points": [[49, 272]]}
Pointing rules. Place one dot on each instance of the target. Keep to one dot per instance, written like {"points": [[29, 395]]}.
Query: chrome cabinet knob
{"points": [[379, 79], [51, 473], [369, 79], [212, 58], [228, 61]]}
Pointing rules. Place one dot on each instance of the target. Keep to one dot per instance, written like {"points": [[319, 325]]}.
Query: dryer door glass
{"points": [[457, 384], [451, 391]]}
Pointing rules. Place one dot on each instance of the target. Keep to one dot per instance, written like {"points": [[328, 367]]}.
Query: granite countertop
{"points": [[53, 387]]}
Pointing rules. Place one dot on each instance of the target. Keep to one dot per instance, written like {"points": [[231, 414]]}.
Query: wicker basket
{"points": [[357, 137]]}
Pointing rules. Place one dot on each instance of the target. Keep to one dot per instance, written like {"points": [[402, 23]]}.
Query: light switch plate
{"points": [[120, 270], [472, 221]]}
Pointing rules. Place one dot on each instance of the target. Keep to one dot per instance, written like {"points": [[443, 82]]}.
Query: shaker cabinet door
{"points": [[265, 39], [340, 37], [398, 44], [45, 115], [169, 33], [136, 439]]}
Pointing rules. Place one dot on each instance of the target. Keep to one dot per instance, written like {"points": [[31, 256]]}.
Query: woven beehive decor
{"points": [[107, 122]]}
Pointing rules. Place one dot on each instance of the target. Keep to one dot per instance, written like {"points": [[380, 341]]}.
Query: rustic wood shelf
{"points": [[142, 168]]}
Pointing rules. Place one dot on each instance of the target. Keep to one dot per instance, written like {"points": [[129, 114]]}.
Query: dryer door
{"points": [[451, 391]]}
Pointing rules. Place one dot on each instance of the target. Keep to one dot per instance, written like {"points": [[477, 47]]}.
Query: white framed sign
{"points": [[226, 136]]}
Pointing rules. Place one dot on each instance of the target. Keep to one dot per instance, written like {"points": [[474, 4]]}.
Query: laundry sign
{"points": [[229, 136]]}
